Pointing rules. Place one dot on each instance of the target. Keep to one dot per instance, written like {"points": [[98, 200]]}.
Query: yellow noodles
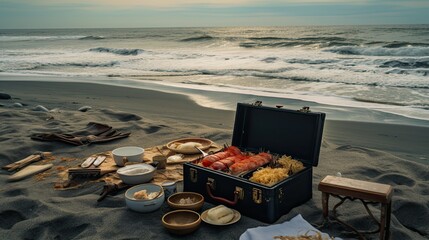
{"points": [[269, 176], [292, 165]]}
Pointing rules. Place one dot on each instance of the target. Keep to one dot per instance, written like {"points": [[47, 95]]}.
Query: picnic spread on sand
{"points": [[258, 175]]}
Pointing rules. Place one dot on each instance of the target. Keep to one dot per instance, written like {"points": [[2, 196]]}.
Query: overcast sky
{"points": [[196, 13]]}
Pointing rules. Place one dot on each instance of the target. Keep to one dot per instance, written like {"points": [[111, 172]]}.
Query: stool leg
{"points": [[388, 213], [383, 220], [325, 205]]}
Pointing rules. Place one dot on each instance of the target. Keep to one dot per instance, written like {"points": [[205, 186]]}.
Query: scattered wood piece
{"points": [[27, 161], [28, 171]]}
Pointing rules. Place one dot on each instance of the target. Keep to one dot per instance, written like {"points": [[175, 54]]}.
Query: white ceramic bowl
{"points": [[127, 154], [136, 173], [141, 205]]}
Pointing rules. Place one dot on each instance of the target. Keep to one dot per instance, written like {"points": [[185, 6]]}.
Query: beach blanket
{"points": [[297, 226], [172, 172]]}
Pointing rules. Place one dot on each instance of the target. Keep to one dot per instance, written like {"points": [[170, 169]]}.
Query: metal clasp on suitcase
{"points": [[193, 175], [257, 195], [238, 193], [281, 194], [304, 109]]}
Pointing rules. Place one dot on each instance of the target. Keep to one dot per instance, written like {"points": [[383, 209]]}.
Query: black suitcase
{"points": [[296, 133]]}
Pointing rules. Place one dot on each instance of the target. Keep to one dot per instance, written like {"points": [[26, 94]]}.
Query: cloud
{"points": [[180, 3], [136, 3], [184, 4]]}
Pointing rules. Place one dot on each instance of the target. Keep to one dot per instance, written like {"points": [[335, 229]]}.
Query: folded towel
{"points": [[93, 133], [294, 227]]}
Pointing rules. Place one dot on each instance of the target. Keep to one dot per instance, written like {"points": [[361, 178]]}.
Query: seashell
{"points": [[40, 108], [84, 108]]}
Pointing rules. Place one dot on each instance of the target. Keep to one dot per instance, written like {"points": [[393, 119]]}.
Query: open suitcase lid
{"points": [[282, 131]]}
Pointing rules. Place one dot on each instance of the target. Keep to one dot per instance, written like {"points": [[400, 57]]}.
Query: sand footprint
{"points": [[369, 172], [152, 129], [61, 231], [16, 192], [9, 218], [366, 151], [396, 179], [122, 116], [412, 215]]}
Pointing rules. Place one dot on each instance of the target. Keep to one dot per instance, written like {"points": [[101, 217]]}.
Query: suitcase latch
{"points": [[212, 183], [304, 109], [281, 194], [257, 195], [240, 192], [193, 175]]}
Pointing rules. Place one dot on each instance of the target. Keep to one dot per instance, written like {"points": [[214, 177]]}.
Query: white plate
{"points": [[206, 143], [235, 219]]}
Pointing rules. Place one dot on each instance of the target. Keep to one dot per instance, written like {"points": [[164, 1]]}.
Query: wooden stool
{"points": [[366, 192]]}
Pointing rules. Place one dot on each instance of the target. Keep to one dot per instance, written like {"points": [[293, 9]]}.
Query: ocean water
{"points": [[383, 68]]}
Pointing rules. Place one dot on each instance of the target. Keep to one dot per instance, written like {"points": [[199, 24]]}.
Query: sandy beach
{"points": [[32, 209]]}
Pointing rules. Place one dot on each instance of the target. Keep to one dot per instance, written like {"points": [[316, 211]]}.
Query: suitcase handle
{"points": [[222, 200]]}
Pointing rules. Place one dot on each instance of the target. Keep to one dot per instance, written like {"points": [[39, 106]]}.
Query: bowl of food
{"points": [[189, 145], [186, 200], [144, 198], [136, 173], [181, 221], [123, 155]]}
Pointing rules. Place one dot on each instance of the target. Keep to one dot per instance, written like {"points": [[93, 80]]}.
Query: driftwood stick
{"points": [[26, 161], [111, 189]]}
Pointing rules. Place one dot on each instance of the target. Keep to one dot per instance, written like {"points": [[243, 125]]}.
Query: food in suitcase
{"points": [[232, 160]]}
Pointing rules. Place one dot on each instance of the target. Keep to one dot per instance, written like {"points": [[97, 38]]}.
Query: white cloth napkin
{"points": [[294, 227]]}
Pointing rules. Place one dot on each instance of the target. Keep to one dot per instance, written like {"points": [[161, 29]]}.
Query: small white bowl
{"points": [[142, 205], [127, 154], [136, 173]]}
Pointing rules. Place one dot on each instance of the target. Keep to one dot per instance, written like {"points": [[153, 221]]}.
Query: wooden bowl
{"points": [[181, 222], [180, 201]]}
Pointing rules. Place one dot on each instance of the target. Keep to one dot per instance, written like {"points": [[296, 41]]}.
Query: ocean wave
{"points": [[268, 38], [270, 59], [380, 51], [36, 38], [271, 44], [91, 38], [418, 72], [117, 51], [424, 106], [71, 64], [311, 61], [405, 44], [358, 99], [285, 74], [406, 64], [198, 39], [294, 43]]}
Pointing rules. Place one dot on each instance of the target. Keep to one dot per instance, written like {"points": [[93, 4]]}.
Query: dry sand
{"points": [[32, 209]]}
